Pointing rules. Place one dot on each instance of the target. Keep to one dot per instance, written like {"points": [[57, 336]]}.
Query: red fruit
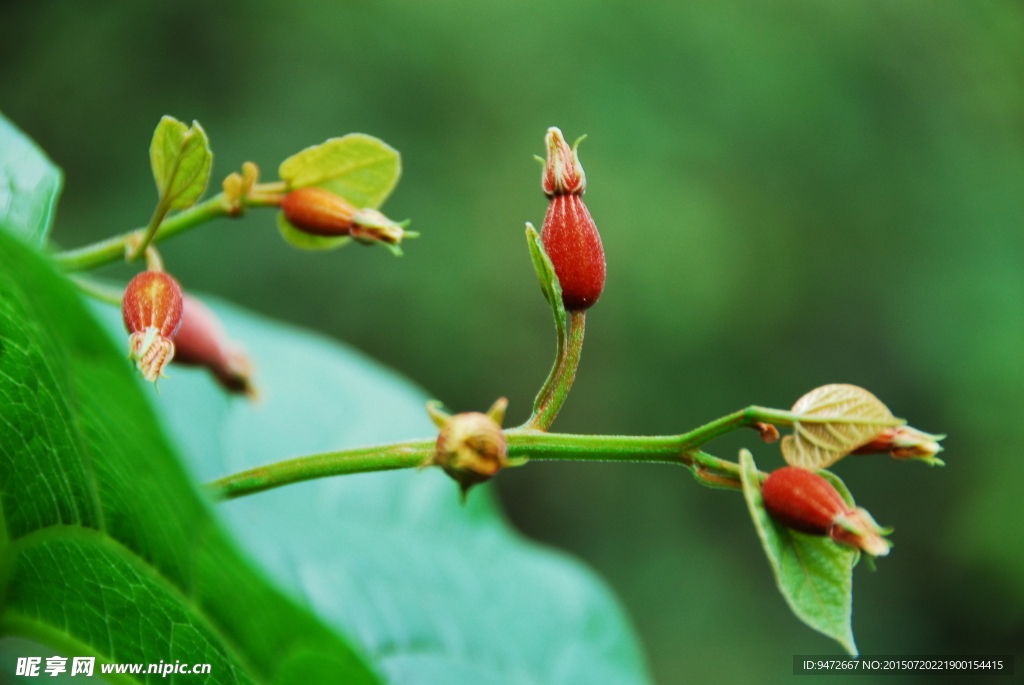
{"points": [[572, 242], [202, 341], [806, 502], [802, 500], [318, 211], [151, 308]]}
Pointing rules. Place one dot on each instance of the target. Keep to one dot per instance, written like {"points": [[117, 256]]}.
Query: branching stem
{"points": [[522, 442]]}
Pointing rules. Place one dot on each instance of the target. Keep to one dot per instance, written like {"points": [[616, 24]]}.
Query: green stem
{"points": [[556, 388], [113, 249], [401, 455], [522, 442]]}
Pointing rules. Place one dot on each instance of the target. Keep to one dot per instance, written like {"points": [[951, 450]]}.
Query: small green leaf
{"points": [[181, 161], [814, 574], [29, 186], [306, 241], [549, 284], [360, 168]]}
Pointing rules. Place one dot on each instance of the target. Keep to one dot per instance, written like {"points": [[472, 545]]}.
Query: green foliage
{"points": [[181, 161], [435, 592], [814, 574], [29, 186], [308, 241], [549, 284], [360, 168], [106, 547]]}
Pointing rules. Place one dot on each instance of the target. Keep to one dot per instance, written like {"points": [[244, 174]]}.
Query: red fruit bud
{"points": [[151, 308], [202, 341], [318, 211], [808, 503], [904, 442], [569, 235]]}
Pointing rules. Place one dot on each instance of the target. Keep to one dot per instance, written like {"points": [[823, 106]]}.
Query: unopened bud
{"points": [[768, 432], [471, 447], [151, 308], [808, 503], [318, 211], [569, 234], [563, 173], [202, 341], [904, 442]]}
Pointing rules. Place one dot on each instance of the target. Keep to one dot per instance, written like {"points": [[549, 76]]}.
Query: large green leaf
{"points": [[106, 548], [29, 186], [435, 592], [814, 574]]}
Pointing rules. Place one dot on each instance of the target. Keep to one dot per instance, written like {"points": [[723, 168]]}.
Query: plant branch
{"points": [[401, 455], [556, 388], [114, 249], [533, 443]]}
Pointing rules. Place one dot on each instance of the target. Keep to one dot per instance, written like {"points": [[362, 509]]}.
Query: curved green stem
{"points": [[556, 388], [533, 443], [114, 249]]}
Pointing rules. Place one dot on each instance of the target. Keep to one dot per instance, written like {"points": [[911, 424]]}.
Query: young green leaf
{"points": [[832, 421], [308, 241], [814, 574], [106, 548], [360, 168], [181, 161], [29, 186], [549, 284]]}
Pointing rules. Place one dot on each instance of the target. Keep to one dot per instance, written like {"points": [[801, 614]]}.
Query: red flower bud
{"points": [[808, 503], [904, 442], [318, 211], [151, 308], [569, 234], [202, 341]]}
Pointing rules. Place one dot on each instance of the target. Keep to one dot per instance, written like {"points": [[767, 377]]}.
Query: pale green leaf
{"points": [[360, 168], [832, 421], [814, 574], [307, 241], [181, 161], [29, 186], [435, 592]]}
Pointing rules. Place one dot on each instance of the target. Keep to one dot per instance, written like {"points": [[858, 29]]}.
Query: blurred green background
{"points": [[790, 194]]}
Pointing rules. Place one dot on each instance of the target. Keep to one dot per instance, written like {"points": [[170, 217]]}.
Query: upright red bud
{"points": [[151, 308], [202, 341], [569, 235], [808, 503]]}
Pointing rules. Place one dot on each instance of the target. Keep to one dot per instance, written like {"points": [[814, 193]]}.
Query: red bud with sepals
{"points": [[151, 308], [808, 503], [569, 234]]}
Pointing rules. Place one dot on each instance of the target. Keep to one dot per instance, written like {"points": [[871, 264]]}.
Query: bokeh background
{"points": [[790, 194]]}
